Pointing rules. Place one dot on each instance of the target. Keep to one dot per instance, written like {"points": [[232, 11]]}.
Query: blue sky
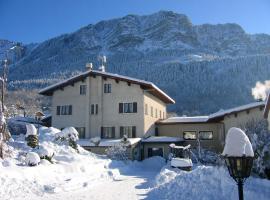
{"points": [[37, 20]]}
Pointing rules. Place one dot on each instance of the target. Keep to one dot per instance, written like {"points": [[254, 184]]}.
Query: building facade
{"points": [[100, 104], [109, 106]]}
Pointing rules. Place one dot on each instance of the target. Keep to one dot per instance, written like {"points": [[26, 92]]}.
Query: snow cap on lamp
{"points": [[237, 144]]}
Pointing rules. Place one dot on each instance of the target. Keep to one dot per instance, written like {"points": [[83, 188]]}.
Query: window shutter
{"points": [[96, 109], [121, 131], [113, 132], [104, 89], [135, 107], [70, 110], [120, 107], [133, 131], [58, 108], [92, 109], [101, 134]]}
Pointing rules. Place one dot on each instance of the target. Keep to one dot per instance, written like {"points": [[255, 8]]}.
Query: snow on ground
{"points": [[88, 176], [205, 183]]}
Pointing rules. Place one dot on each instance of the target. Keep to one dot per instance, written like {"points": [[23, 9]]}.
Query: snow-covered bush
{"points": [[118, 152], [70, 135], [31, 135], [95, 140], [45, 153], [32, 159], [206, 157], [259, 136]]}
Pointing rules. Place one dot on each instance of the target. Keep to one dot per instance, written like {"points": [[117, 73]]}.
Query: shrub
{"points": [[32, 159], [31, 136], [118, 152], [69, 135]]}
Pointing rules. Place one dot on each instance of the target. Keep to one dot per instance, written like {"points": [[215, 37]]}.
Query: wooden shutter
{"points": [[70, 110], [96, 109], [92, 109], [133, 131], [104, 89], [135, 107], [121, 131], [120, 107], [58, 109], [113, 132], [101, 134]]}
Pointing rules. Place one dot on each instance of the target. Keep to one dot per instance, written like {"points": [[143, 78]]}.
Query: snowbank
{"points": [[32, 159], [237, 144], [205, 183], [71, 170]]}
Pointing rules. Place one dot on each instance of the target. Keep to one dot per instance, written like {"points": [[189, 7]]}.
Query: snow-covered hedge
{"points": [[118, 152], [31, 135], [70, 135], [45, 153], [95, 140], [32, 159]]}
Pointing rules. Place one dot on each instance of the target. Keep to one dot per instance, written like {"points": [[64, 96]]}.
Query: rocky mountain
{"points": [[204, 67]]}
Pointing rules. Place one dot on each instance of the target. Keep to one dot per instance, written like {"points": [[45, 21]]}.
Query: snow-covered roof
{"points": [[164, 139], [222, 113], [196, 119], [107, 142], [219, 114], [145, 84]]}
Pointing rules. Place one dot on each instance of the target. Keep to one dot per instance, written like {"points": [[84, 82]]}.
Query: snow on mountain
{"points": [[202, 61]]}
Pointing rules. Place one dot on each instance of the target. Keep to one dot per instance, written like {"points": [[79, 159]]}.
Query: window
{"points": [[107, 88], [129, 131], [94, 109], [107, 132], [155, 152], [146, 109], [64, 110], [152, 111], [82, 89], [81, 131], [189, 135], [128, 107], [206, 135], [156, 113], [163, 115], [160, 114]]}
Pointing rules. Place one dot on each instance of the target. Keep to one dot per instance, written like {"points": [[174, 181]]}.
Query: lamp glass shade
{"points": [[239, 167]]}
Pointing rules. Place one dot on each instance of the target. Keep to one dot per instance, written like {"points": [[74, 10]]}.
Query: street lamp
{"points": [[238, 154]]}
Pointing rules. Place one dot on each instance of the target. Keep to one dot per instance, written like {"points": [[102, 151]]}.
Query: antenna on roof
{"points": [[103, 61], [89, 66]]}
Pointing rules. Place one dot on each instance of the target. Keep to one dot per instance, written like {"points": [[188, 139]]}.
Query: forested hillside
{"points": [[203, 67]]}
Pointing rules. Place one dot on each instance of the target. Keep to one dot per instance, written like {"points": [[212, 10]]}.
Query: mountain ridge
{"points": [[146, 46]]}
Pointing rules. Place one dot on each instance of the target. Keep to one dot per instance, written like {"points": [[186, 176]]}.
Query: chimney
{"points": [[103, 61], [89, 66]]}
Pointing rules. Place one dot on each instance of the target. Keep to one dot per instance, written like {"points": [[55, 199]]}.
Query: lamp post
{"points": [[239, 169], [238, 155]]}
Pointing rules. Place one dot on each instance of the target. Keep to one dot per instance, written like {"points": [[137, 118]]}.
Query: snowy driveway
{"points": [[124, 187]]}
